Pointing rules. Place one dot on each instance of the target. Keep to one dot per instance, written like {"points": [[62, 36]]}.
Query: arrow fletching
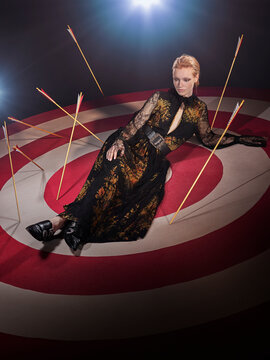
{"points": [[5, 134], [79, 101], [43, 93], [238, 44], [4, 130], [71, 33], [235, 112]]}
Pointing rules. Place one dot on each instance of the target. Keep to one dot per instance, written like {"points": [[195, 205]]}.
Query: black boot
{"points": [[42, 231], [72, 235]]}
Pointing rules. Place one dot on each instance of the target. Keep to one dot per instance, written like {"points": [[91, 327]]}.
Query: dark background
{"points": [[128, 50]]}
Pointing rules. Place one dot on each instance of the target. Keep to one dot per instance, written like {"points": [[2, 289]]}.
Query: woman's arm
{"points": [[138, 120], [210, 139], [207, 136]]}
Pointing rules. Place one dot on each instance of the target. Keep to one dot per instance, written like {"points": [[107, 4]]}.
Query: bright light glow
{"points": [[146, 4]]}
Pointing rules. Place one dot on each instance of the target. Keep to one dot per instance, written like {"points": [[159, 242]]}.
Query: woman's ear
{"points": [[196, 80]]}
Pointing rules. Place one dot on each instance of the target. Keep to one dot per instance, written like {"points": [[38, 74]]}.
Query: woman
{"points": [[121, 195]]}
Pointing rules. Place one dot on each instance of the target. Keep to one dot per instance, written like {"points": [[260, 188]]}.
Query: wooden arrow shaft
{"points": [[12, 172], [27, 157], [32, 126], [221, 97], [74, 38], [70, 115], [235, 56], [89, 68], [207, 161], [64, 167]]}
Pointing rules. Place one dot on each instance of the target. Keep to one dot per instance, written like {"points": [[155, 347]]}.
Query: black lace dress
{"points": [[120, 198]]}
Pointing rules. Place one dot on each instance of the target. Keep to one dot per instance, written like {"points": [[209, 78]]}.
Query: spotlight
{"points": [[145, 4]]}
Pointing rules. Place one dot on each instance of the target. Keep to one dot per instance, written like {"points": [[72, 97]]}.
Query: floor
{"points": [[196, 285]]}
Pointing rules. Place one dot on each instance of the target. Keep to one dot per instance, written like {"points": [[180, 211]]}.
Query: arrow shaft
{"points": [[224, 88], [89, 66], [32, 126], [27, 157], [70, 116], [235, 56], [64, 168], [12, 172], [207, 161]]}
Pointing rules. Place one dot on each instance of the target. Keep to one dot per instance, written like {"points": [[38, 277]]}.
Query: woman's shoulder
{"points": [[200, 103], [162, 98], [163, 95], [170, 96]]}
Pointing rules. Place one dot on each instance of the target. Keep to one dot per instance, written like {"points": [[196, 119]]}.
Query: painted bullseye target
{"points": [[182, 168], [219, 232]]}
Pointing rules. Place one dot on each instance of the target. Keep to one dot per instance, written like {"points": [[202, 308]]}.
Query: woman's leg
{"points": [[57, 222], [79, 212]]}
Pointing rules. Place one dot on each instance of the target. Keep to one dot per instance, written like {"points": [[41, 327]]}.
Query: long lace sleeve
{"points": [[140, 118], [208, 137], [137, 121]]}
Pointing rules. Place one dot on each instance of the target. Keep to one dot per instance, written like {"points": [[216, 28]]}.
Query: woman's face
{"points": [[183, 81]]}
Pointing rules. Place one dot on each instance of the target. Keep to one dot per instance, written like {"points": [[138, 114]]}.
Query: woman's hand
{"points": [[118, 145], [253, 140]]}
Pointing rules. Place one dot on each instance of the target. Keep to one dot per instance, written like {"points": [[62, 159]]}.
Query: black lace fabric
{"points": [[251, 140], [141, 117], [208, 137], [138, 120], [119, 199]]}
